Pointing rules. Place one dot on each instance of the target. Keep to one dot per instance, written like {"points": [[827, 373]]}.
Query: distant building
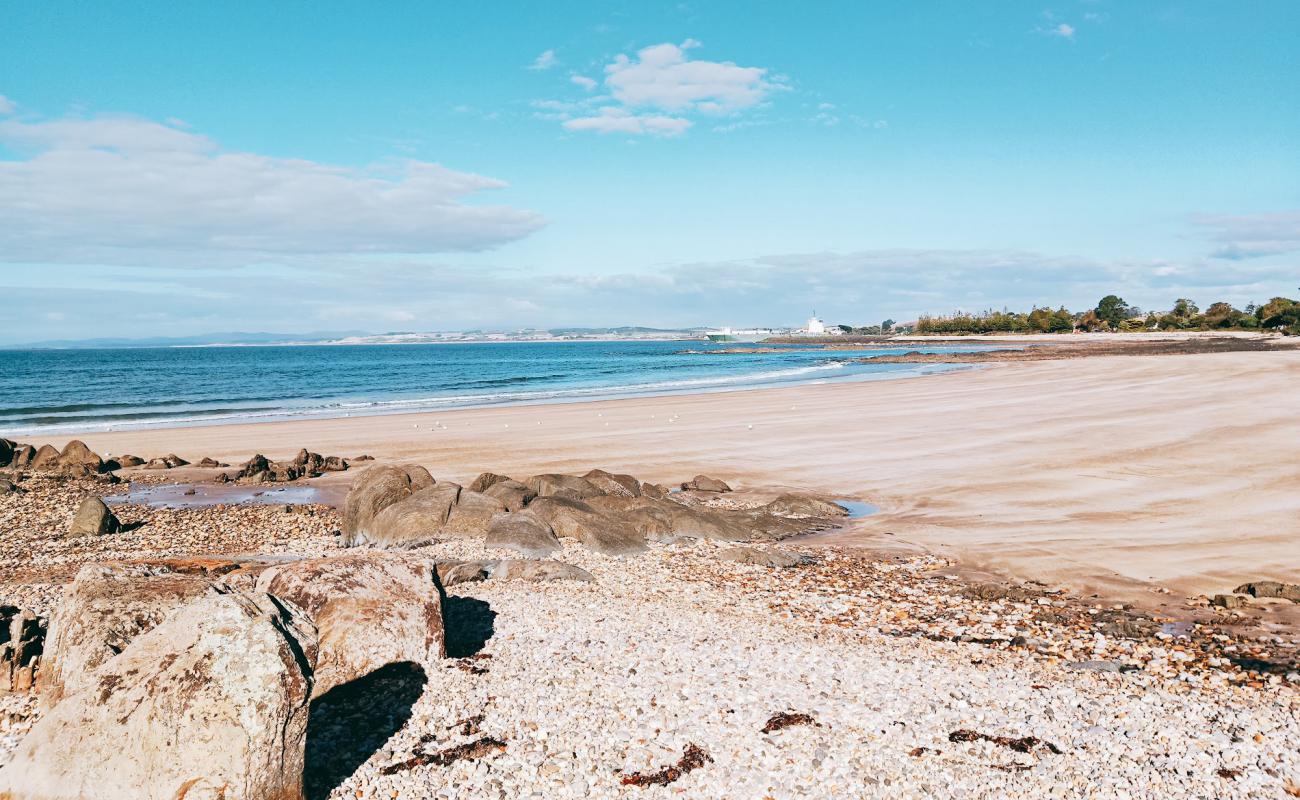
{"points": [[816, 327]]}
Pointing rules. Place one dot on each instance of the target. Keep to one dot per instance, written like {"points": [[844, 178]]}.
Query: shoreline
{"points": [[1100, 483]]}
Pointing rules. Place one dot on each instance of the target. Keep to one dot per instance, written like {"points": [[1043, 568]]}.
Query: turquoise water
{"points": [[84, 390]]}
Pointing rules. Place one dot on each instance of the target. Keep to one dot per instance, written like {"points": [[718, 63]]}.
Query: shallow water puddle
{"points": [[857, 509], [197, 495]]}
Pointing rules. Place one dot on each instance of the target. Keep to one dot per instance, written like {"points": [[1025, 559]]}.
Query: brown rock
{"points": [[513, 494], [762, 558], [22, 641], [615, 484], [654, 490], [8, 487], [524, 532], [1288, 591], [373, 491], [803, 505], [169, 461], [7, 448], [451, 573], [129, 461], [604, 533], [485, 480], [568, 486], [420, 517], [211, 703], [45, 458], [1228, 601], [24, 455], [703, 483], [78, 458], [93, 519], [370, 609], [334, 464], [472, 514]]}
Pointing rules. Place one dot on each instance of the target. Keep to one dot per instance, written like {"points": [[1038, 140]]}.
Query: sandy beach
{"points": [[1110, 474]]}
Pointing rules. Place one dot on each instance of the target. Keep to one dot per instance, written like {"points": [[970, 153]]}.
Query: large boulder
{"points": [[169, 461], [698, 523], [46, 458], [485, 480], [1288, 591], [472, 514], [513, 494], [613, 483], [105, 608], [419, 517], [524, 532], [370, 609], [652, 518], [7, 448], [605, 533], [128, 461], [76, 458], [93, 519], [567, 486], [376, 489], [211, 703], [804, 505], [24, 455]]}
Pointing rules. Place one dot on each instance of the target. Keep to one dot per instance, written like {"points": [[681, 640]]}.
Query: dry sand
{"points": [[1103, 474]]}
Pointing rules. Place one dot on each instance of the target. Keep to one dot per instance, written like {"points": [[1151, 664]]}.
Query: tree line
{"points": [[1113, 314]]}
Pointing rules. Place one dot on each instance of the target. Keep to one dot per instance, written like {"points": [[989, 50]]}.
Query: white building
{"points": [[816, 327]]}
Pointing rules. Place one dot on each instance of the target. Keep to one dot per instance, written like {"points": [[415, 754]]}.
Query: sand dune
{"points": [[1103, 473]]}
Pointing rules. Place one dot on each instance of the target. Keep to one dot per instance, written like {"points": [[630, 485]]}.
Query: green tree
{"points": [[1112, 310]]}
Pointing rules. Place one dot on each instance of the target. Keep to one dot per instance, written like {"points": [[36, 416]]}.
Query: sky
{"points": [[177, 168]]}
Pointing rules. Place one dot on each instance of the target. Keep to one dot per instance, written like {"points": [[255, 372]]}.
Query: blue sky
{"points": [[174, 168]]}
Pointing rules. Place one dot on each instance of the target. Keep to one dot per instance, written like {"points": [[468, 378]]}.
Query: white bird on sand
{"points": [[751, 427]]}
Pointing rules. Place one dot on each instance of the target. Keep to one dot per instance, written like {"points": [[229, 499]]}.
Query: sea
{"points": [[82, 390]]}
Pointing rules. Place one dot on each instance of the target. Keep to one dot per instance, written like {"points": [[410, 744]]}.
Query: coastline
{"points": [[1104, 482]]}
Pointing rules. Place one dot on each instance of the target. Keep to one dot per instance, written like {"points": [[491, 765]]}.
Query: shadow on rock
{"points": [[349, 723], [468, 623]]}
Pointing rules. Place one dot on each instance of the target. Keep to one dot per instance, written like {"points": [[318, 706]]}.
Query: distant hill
{"points": [[235, 337]]}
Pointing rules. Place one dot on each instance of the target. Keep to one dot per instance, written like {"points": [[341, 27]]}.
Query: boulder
{"points": [[169, 461], [334, 464], [128, 461], [8, 487], [605, 533], [103, 610], [370, 609], [419, 517], [762, 558], [376, 489], [533, 571], [76, 457], [361, 458], [24, 455], [615, 484], [513, 494], [93, 519], [568, 486], [703, 483], [702, 524], [22, 641], [485, 480], [47, 457], [1228, 601], [472, 514], [524, 532], [803, 505], [211, 463], [654, 490], [308, 462], [7, 448], [257, 464], [211, 703], [1288, 591], [652, 518]]}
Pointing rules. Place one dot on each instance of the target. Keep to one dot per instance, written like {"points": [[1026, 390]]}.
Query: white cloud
{"points": [[114, 189], [1244, 236], [544, 61], [612, 119], [662, 76], [657, 90], [7, 106], [1063, 30]]}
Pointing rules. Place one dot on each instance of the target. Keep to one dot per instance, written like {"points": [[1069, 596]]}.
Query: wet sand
{"points": [[1106, 474]]}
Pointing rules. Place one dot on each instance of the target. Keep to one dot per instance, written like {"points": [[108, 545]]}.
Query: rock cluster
{"points": [[169, 461], [194, 677], [75, 459], [259, 469], [610, 513]]}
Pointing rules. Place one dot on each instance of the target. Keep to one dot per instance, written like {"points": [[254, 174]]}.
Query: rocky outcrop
{"points": [[486, 480], [804, 506], [22, 642], [210, 703], [614, 484], [567, 486], [370, 609], [93, 519], [524, 532], [610, 534], [376, 489], [306, 464], [127, 461], [210, 463], [703, 483]]}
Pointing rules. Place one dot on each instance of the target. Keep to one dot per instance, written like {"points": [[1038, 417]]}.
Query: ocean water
{"points": [[84, 390]]}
